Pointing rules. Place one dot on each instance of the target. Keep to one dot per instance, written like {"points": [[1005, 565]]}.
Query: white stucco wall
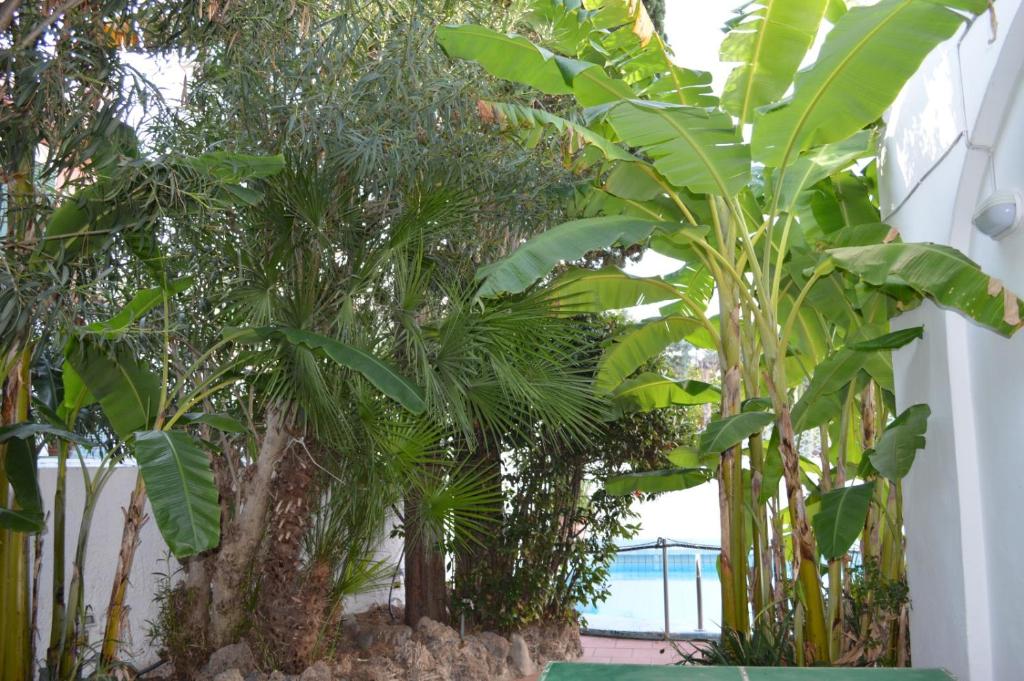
{"points": [[151, 560], [101, 559], [956, 132]]}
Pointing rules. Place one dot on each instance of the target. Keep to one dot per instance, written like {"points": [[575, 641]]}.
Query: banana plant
{"points": [[784, 229]]}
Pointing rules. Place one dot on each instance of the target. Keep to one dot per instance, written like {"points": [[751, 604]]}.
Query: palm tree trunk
{"points": [[242, 538]]}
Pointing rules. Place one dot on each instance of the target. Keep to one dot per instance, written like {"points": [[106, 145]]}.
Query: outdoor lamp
{"points": [[999, 214]]}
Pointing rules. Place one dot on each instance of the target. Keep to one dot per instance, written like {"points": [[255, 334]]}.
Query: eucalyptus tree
{"points": [[784, 230]]}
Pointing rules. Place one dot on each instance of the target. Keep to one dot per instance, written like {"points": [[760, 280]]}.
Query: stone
{"points": [[319, 671], [365, 639], [497, 646], [229, 675], [519, 655], [235, 656], [279, 676]]}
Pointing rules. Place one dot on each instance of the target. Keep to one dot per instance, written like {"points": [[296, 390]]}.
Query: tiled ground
{"points": [[627, 651], [630, 651]]}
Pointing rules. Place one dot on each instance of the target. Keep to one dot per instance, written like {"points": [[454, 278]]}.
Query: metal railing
{"points": [[664, 545]]}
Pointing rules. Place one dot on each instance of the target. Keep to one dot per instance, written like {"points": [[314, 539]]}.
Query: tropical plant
{"points": [[785, 230], [370, 236]]}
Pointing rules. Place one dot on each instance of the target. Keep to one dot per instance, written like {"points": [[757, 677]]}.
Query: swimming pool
{"points": [[636, 600]]}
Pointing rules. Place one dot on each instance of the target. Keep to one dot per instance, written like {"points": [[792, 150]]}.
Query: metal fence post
{"points": [[664, 580], [700, 596]]}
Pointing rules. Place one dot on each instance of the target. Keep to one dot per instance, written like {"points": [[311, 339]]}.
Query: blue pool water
{"points": [[636, 601]]}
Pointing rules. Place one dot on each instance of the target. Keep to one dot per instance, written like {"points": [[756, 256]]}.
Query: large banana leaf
{"points": [[127, 390], [515, 58], [692, 147], [581, 291], [840, 518], [819, 163], [770, 41], [722, 434], [566, 242], [180, 486], [866, 59], [517, 116], [20, 469], [895, 451], [141, 303], [939, 272], [650, 391], [381, 374], [633, 348], [654, 482]]}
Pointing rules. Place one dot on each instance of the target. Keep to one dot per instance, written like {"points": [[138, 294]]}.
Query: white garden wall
{"points": [[151, 560], [956, 132]]}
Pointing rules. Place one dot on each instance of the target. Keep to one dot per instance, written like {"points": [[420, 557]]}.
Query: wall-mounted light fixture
{"points": [[999, 214]]}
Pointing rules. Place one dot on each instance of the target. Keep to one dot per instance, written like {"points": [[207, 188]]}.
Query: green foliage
{"points": [[181, 490], [840, 518]]}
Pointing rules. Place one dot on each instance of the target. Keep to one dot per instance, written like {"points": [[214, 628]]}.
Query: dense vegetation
{"points": [[807, 446], [332, 294]]}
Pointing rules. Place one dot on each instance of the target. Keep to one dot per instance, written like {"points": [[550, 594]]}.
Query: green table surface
{"points": [[580, 671]]}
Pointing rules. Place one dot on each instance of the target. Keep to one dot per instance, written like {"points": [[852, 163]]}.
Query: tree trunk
{"points": [[426, 592], [242, 537], [15, 635], [292, 601], [134, 518], [733, 560]]}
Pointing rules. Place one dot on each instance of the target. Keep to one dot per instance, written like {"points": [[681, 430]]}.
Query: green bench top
{"points": [[582, 671]]}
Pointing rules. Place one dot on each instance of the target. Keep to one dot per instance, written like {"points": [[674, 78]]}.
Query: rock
{"points": [[235, 656], [394, 634], [497, 646], [317, 672], [229, 675], [365, 639], [279, 676], [519, 655]]}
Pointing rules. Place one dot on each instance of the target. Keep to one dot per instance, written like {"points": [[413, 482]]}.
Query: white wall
{"points": [[956, 131], [101, 560], [151, 560]]}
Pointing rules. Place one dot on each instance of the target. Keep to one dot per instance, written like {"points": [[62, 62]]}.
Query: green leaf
{"points": [[688, 457], [896, 449], [650, 391], [127, 390], [141, 303], [770, 41], [26, 430], [76, 394], [941, 273], [181, 489], [835, 372], [691, 147], [632, 349], [840, 518], [890, 341], [820, 162], [722, 434], [653, 482], [20, 468], [582, 291], [515, 58], [381, 374], [866, 59], [232, 167], [221, 422], [566, 242], [517, 116]]}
